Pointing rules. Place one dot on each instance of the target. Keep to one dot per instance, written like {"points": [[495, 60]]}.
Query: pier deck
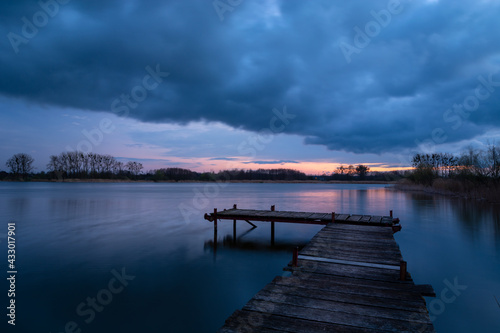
{"points": [[349, 278], [299, 217]]}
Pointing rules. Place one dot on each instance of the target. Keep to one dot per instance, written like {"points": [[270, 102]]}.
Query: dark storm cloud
{"points": [[396, 89]]}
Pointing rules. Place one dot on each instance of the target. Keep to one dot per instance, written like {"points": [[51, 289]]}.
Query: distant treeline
{"points": [[73, 165], [78, 165], [179, 174]]}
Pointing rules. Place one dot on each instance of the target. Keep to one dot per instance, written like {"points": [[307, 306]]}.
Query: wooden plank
{"points": [[328, 252], [388, 235], [345, 255], [341, 217], [238, 212], [362, 228], [321, 216], [354, 218], [329, 295], [398, 290], [365, 218], [352, 246], [299, 215], [353, 239], [332, 316], [367, 273], [269, 214], [348, 262], [341, 306], [357, 249], [342, 241], [253, 321], [387, 219], [354, 257], [375, 219]]}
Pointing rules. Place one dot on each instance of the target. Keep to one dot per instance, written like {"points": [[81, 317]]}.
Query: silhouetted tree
{"points": [[134, 168], [340, 170], [20, 164], [493, 158], [362, 170]]}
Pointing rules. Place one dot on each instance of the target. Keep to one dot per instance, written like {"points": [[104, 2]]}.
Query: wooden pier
{"points": [[349, 278]]}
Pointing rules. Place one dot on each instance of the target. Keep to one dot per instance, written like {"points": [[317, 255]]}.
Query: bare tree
{"points": [[351, 171], [20, 164], [118, 167], [134, 167], [108, 162], [493, 159], [340, 170]]}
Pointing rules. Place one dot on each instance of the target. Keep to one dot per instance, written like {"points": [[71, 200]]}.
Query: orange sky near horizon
{"points": [[308, 167]]}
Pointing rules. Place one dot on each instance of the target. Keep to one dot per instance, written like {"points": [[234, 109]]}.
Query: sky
{"points": [[210, 85]]}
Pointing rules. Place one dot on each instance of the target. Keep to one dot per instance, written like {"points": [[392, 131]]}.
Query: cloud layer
{"points": [[357, 77]]}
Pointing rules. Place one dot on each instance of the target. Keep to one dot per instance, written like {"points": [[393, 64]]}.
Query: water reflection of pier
{"points": [[238, 243]]}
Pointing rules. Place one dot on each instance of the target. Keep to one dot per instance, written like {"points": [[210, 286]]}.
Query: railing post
{"points": [[295, 257], [391, 213], [272, 208], [235, 206], [402, 270], [333, 217]]}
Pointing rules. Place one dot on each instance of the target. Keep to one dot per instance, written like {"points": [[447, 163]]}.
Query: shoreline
{"points": [[433, 190], [76, 180]]}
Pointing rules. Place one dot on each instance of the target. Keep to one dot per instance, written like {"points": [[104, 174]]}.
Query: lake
{"points": [[139, 257]]}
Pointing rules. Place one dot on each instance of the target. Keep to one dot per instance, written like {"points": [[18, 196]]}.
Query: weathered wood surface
{"points": [[299, 217], [359, 292]]}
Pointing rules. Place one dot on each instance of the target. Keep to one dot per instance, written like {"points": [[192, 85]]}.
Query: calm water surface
{"points": [[74, 239]]}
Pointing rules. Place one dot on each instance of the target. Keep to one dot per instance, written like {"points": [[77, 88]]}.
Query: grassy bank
{"points": [[487, 190]]}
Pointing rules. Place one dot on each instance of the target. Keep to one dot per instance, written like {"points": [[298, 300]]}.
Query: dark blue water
{"points": [[141, 258]]}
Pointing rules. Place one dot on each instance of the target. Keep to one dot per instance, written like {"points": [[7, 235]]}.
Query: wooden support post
{"points": [[215, 218], [295, 257], [272, 232], [391, 213], [272, 227], [234, 231], [333, 217], [402, 270], [235, 206], [215, 232]]}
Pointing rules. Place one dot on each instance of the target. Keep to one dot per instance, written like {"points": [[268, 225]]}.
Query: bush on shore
{"points": [[473, 174]]}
